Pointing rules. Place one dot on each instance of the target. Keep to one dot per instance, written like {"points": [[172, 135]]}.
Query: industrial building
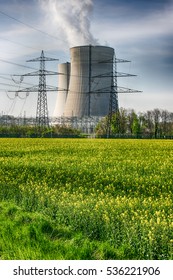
{"points": [[84, 84], [87, 88]]}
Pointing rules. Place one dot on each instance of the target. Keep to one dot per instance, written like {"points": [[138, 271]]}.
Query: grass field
{"points": [[86, 199]]}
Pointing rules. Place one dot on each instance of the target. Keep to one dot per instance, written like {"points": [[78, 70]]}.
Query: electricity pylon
{"points": [[115, 89], [42, 118]]}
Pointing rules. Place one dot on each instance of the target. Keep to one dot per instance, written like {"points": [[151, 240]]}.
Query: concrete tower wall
{"points": [[63, 85], [89, 91]]}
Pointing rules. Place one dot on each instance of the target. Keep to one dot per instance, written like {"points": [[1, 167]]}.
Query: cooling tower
{"points": [[63, 85], [90, 81]]}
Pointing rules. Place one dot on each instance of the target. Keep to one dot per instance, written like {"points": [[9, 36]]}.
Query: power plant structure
{"points": [[87, 87], [84, 94], [63, 87]]}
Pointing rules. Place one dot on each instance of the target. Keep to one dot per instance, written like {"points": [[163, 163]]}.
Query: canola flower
{"points": [[118, 191]]}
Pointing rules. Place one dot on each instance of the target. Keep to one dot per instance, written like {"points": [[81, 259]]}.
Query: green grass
{"points": [[86, 199], [33, 236]]}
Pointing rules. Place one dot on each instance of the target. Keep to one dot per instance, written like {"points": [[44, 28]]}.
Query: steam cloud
{"points": [[73, 18]]}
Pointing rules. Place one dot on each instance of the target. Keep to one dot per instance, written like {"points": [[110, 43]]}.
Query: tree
{"points": [[156, 118], [165, 126], [134, 123], [101, 127], [149, 126], [136, 127], [119, 122]]}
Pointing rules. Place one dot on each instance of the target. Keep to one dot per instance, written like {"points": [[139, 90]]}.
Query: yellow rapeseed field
{"points": [[114, 191]]}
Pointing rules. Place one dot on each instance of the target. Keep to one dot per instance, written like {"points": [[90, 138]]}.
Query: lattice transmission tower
{"points": [[42, 118], [115, 89]]}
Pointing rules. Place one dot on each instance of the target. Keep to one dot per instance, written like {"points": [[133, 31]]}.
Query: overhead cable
{"points": [[30, 26], [13, 63]]}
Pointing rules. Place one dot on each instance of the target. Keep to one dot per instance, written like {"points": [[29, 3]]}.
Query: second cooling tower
{"points": [[63, 85], [90, 81]]}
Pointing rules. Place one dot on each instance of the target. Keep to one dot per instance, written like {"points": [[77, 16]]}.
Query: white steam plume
{"points": [[73, 18]]}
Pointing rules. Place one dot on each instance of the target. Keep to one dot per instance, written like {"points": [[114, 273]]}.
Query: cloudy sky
{"points": [[139, 30]]}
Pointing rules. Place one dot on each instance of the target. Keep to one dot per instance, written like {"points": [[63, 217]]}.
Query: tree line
{"points": [[155, 123], [31, 131], [125, 123]]}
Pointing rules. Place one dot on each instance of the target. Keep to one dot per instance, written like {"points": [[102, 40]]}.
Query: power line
{"points": [[30, 26], [4, 84], [13, 42], [16, 64], [25, 46], [17, 82]]}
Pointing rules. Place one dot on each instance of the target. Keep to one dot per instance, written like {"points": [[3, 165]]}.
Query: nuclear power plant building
{"points": [[63, 86], [84, 85]]}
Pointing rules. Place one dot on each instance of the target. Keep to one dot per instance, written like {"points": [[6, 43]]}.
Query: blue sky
{"points": [[139, 31]]}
